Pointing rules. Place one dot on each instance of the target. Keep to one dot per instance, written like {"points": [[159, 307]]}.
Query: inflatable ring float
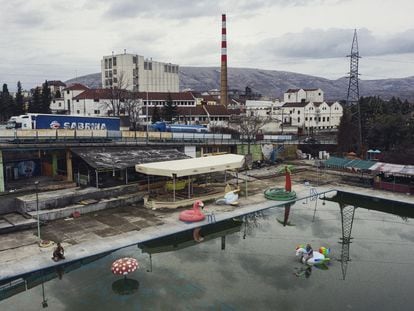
{"points": [[45, 243], [279, 194]]}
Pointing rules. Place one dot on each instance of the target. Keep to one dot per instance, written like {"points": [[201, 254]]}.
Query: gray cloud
{"points": [[334, 42], [178, 9], [21, 14]]}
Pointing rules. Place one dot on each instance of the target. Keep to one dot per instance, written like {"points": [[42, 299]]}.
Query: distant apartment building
{"points": [[136, 73], [300, 95], [65, 104], [55, 86]]}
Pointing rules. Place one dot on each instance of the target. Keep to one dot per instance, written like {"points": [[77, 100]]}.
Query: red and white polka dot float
{"points": [[123, 266]]}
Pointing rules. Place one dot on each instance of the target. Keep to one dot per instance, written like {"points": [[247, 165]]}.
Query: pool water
{"points": [[254, 267]]}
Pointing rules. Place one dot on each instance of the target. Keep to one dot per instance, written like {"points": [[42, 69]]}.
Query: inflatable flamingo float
{"points": [[194, 214]]}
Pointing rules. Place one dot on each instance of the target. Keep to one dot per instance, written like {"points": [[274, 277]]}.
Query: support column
{"points": [[1, 172], [54, 164], [69, 168]]}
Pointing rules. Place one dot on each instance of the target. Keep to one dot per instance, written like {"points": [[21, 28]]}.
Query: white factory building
{"points": [[135, 73], [301, 109]]}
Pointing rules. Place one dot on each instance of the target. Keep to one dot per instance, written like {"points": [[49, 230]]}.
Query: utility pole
{"points": [[353, 89]]}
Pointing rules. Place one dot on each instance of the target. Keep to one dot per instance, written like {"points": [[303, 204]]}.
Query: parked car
{"points": [[311, 140]]}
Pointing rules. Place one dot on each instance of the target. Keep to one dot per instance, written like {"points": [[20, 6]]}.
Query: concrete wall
{"points": [[59, 199], [89, 208]]}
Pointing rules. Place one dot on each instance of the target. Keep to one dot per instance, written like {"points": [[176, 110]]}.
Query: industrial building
{"points": [[136, 73]]}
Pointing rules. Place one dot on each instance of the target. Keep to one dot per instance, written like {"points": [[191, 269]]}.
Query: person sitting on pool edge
{"points": [[58, 253], [309, 253]]}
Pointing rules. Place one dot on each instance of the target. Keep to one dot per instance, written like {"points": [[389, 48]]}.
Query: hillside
{"points": [[274, 83]]}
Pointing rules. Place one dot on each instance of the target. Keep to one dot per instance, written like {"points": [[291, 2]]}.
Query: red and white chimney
{"points": [[223, 80]]}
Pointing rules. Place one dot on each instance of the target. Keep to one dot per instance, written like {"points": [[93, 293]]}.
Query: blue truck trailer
{"points": [[35, 121], [178, 128]]}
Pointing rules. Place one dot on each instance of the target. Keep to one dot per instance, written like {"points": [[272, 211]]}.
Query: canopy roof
{"points": [[120, 158], [194, 166], [387, 168], [393, 169], [357, 164]]}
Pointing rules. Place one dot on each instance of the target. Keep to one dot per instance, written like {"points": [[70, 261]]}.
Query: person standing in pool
{"points": [[309, 253]]}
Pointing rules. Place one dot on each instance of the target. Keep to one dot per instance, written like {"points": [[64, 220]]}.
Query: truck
{"points": [[35, 121], [178, 128]]}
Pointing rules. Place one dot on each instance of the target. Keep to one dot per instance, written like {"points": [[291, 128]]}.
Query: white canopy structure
{"points": [[393, 169], [190, 167], [194, 166]]}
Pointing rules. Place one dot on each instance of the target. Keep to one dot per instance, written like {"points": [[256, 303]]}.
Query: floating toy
{"points": [[319, 257], [194, 214], [230, 198], [279, 194]]}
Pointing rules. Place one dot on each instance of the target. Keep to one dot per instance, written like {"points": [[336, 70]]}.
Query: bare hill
{"points": [[274, 83]]}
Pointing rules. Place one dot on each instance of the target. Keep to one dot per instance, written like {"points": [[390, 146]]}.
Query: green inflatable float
{"points": [[280, 194]]}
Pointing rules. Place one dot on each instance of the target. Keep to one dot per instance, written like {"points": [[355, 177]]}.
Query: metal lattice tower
{"points": [[347, 220], [353, 87]]}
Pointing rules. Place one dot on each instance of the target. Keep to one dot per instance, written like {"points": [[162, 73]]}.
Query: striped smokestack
{"points": [[223, 87]]}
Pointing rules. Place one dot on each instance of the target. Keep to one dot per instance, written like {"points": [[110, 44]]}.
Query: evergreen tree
{"points": [[46, 98], [170, 110], [35, 102], [19, 101], [155, 115], [347, 134], [6, 104]]}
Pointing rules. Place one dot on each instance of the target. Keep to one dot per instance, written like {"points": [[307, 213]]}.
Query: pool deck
{"points": [[13, 266]]}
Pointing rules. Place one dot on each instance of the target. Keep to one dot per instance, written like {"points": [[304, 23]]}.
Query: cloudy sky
{"points": [[45, 39]]}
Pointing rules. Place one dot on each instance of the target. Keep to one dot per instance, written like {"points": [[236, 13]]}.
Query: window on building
{"points": [[147, 65], [298, 120], [68, 101], [78, 111], [67, 92], [135, 59], [96, 100], [77, 100], [323, 119], [96, 112], [327, 119], [59, 104], [306, 118], [115, 80], [114, 61], [114, 71], [106, 63], [298, 111]]}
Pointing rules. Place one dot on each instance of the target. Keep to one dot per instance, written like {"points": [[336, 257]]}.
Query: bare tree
{"points": [[133, 108], [249, 126], [114, 104]]}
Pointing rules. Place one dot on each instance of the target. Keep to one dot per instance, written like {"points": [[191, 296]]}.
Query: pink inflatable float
{"points": [[194, 214]]}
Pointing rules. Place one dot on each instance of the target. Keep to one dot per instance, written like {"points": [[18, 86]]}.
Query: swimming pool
{"points": [[254, 266]]}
